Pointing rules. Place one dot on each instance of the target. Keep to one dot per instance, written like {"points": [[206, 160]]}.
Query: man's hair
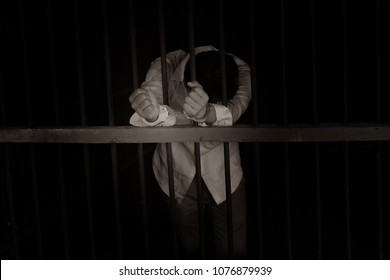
{"points": [[208, 74]]}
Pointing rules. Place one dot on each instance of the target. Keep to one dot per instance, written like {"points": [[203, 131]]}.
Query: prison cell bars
{"points": [[286, 135], [60, 168], [83, 114], [226, 149], [315, 122], [285, 122], [345, 49], [27, 91], [141, 164], [9, 188], [255, 121], [114, 157], [198, 175], [164, 81], [379, 156]]}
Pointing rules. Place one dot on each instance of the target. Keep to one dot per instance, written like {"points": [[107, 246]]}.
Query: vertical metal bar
{"points": [[141, 164], [198, 175], [378, 63], [15, 251], [285, 122], [57, 123], [114, 158], [345, 61], [8, 178], [315, 118], [255, 121], [314, 59], [345, 120], [27, 84], [381, 253], [226, 144], [283, 60], [168, 145], [87, 169], [252, 28]]}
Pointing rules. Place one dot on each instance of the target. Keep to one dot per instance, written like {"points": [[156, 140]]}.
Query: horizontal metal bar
{"points": [[237, 133]]}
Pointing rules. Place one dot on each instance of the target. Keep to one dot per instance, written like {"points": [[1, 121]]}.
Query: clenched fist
{"points": [[145, 104], [195, 104]]}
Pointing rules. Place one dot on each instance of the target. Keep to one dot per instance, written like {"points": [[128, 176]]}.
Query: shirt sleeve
{"points": [[239, 103], [223, 115], [165, 118]]}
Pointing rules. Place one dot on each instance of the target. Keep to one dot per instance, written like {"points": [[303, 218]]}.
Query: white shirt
{"points": [[212, 153]]}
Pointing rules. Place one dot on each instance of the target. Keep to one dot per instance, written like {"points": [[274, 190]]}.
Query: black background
{"points": [[334, 51]]}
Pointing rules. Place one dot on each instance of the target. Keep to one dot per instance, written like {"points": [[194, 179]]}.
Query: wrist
{"points": [[201, 119], [162, 115]]}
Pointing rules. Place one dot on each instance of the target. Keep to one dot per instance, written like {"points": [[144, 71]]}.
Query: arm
{"points": [[197, 108], [239, 103], [146, 100]]}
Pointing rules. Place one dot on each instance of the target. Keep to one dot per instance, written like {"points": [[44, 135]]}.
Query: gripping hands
{"points": [[145, 104], [195, 104]]}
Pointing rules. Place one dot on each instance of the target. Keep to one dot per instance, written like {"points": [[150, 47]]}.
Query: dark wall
{"points": [[316, 61]]}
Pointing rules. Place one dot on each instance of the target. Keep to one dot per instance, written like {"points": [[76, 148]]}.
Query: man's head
{"points": [[208, 74]]}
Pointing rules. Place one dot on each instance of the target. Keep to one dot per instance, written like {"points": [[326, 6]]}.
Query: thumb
{"points": [[194, 84]]}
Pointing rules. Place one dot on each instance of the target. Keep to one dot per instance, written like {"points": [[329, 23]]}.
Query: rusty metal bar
{"points": [[87, 169], [141, 164], [168, 144]]}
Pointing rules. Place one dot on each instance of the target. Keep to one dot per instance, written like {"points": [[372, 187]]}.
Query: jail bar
{"points": [[14, 245], [376, 131], [345, 120], [315, 121], [83, 114], [285, 122], [54, 88], [168, 144], [238, 133], [255, 121], [378, 81], [114, 157], [27, 83], [141, 164], [226, 149], [191, 38]]}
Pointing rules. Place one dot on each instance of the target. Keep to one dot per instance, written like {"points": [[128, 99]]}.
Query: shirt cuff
{"points": [[223, 115], [137, 120]]}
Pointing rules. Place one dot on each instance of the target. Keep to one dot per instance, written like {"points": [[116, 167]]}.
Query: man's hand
{"points": [[145, 104], [195, 104]]}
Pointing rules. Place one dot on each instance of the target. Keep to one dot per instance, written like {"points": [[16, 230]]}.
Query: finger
{"points": [[200, 97], [136, 93], [193, 104], [139, 99], [145, 104], [194, 84], [189, 110]]}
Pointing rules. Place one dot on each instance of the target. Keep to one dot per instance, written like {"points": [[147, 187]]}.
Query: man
{"points": [[198, 101]]}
